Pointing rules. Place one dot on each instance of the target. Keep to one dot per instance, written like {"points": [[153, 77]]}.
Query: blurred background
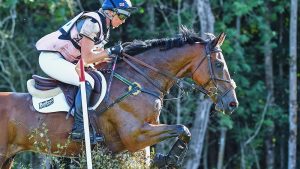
{"points": [[261, 133]]}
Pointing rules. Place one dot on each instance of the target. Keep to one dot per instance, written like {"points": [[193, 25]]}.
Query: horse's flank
{"points": [[32, 127]]}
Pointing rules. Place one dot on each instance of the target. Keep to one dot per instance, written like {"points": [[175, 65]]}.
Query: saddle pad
{"points": [[58, 102], [51, 104]]}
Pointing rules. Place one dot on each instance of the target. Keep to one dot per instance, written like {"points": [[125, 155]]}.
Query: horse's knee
{"points": [[135, 141], [183, 133]]}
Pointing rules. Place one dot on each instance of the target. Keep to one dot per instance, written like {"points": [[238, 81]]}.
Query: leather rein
{"points": [[213, 78]]}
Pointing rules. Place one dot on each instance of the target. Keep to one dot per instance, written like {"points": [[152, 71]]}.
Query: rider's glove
{"points": [[115, 50]]}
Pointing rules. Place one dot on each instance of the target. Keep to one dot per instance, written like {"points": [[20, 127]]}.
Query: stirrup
{"points": [[94, 138]]}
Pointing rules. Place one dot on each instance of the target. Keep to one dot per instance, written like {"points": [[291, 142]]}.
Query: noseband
{"points": [[213, 90]]}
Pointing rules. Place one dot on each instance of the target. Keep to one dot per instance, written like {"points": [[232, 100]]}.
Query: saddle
{"points": [[53, 87], [50, 95]]}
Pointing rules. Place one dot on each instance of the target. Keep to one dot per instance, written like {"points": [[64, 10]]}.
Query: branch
{"points": [[261, 121], [165, 17]]}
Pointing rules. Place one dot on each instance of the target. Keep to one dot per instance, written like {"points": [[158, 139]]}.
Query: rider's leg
{"points": [[78, 127], [55, 66]]}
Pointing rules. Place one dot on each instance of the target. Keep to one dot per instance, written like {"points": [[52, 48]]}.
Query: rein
{"points": [[211, 92], [135, 88], [167, 74]]}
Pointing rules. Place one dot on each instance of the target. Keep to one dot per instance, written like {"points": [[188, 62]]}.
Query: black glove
{"points": [[115, 50]]}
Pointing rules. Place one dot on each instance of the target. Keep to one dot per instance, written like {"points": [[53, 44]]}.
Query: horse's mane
{"points": [[186, 36]]}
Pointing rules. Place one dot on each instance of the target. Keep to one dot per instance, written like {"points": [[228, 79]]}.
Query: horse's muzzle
{"points": [[228, 103]]}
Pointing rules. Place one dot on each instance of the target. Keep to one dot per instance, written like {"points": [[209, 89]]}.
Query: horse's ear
{"points": [[222, 37], [218, 41]]}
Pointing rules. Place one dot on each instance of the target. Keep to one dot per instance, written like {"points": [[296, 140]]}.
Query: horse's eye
{"points": [[219, 64]]}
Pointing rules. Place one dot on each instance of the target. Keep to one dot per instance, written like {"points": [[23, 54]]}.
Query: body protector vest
{"points": [[67, 40]]}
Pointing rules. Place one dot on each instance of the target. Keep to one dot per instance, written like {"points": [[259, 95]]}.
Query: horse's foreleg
{"points": [[138, 137], [150, 134]]}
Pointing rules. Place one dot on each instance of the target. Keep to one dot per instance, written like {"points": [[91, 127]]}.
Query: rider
{"points": [[83, 36]]}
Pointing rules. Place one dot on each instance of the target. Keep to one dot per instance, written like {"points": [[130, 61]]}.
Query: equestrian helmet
{"points": [[123, 7]]}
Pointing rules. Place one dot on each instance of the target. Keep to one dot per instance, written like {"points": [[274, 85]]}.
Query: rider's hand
{"points": [[115, 50]]}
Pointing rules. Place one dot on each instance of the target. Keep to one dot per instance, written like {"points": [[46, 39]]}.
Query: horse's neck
{"points": [[171, 61]]}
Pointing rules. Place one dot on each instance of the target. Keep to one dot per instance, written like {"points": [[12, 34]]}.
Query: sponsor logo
{"points": [[46, 103], [122, 4]]}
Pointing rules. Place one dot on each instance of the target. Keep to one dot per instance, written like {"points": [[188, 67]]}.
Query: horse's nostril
{"points": [[233, 104]]}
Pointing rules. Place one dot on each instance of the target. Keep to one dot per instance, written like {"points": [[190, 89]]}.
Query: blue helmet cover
{"points": [[116, 4]]}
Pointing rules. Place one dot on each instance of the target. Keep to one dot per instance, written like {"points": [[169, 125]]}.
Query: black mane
{"points": [[186, 36]]}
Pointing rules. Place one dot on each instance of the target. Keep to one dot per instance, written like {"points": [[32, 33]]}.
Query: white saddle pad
{"points": [[54, 100]]}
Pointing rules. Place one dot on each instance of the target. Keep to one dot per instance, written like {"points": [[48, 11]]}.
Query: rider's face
{"points": [[116, 21]]}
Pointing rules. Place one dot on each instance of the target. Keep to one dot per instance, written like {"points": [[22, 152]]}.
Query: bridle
{"points": [[212, 91], [208, 51]]}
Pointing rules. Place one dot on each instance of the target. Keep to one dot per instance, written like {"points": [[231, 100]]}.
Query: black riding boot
{"points": [[78, 127]]}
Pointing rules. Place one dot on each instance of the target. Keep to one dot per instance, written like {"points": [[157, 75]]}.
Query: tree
{"points": [[293, 87]]}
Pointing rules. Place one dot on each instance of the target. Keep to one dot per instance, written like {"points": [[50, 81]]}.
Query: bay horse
{"points": [[132, 123]]}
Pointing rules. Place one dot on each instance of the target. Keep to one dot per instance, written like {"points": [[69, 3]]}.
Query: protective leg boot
{"points": [[78, 127]]}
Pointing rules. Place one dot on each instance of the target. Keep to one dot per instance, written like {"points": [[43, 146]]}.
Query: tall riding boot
{"points": [[78, 127]]}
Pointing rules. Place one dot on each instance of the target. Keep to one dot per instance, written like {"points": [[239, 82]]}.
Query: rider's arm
{"points": [[89, 30], [89, 56]]}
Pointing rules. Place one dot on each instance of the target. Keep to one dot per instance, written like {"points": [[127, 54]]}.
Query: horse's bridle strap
{"points": [[141, 72], [134, 88], [167, 74]]}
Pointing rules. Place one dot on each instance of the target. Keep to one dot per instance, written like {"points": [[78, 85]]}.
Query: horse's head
{"points": [[211, 73], [204, 62]]}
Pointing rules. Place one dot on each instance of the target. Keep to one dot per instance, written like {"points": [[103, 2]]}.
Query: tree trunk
{"points": [[243, 162], [282, 151], [198, 133], [151, 13], [293, 87], [200, 123], [270, 148], [222, 142], [270, 89], [205, 156], [206, 16]]}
